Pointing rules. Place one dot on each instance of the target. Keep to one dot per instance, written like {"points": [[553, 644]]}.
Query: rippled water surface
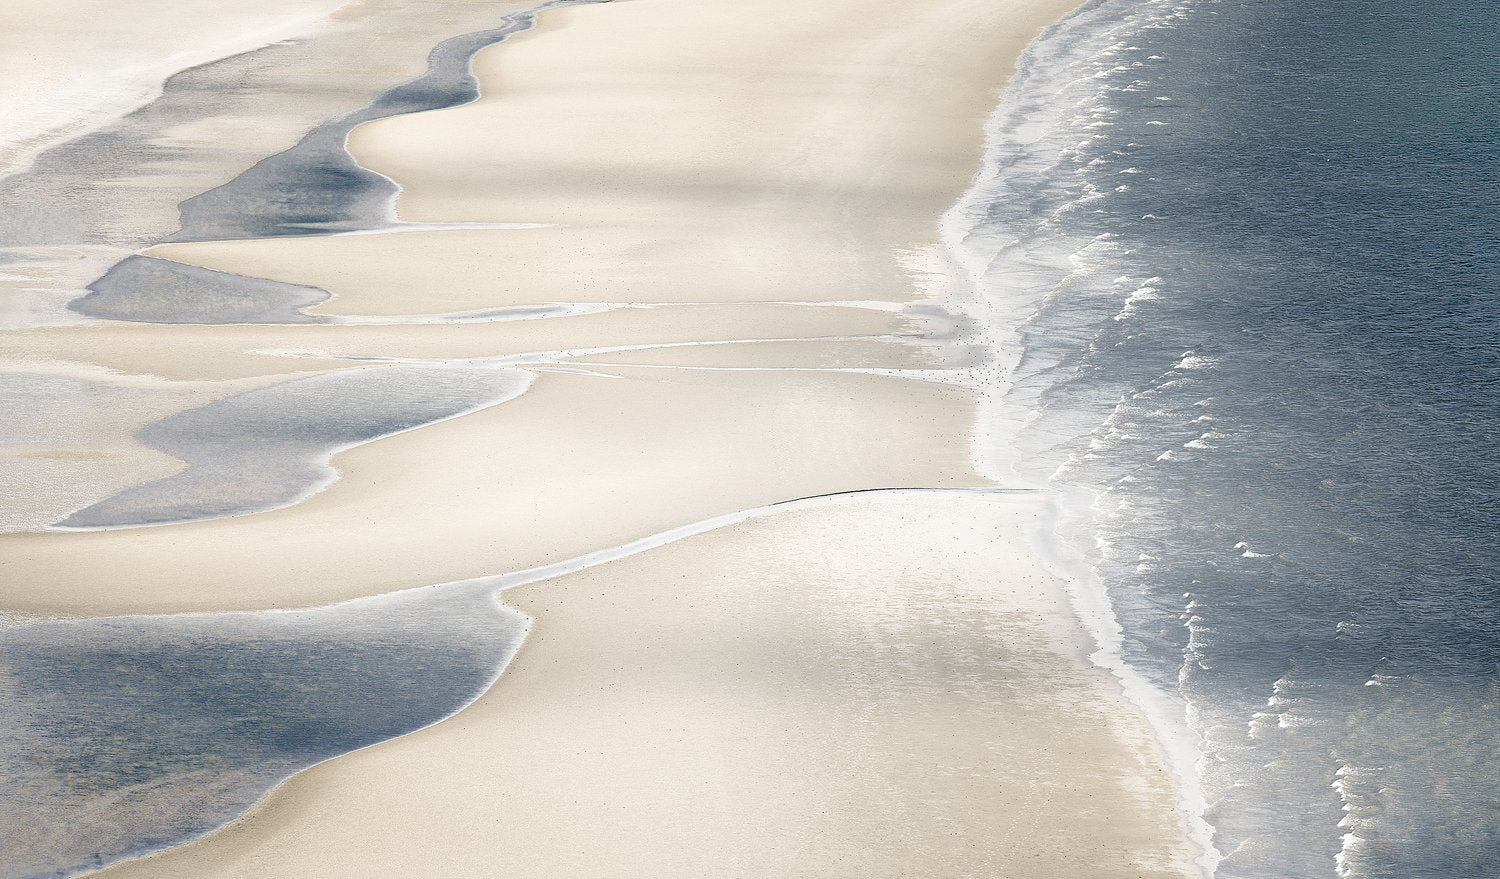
{"points": [[1250, 251]]}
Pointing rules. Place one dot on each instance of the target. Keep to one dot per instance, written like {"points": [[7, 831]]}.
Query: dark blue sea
{"points": [[1249, 254]]}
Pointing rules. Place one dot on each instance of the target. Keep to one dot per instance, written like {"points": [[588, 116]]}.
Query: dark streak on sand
{"points": [[316, 186]]}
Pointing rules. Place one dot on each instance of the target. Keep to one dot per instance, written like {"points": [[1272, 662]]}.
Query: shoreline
{"points": [[645, 457], [316, 821], [1178, 742]]}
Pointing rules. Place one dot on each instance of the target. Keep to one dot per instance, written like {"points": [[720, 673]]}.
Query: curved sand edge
{"points": [[886, 685], [863, 690], [95, 63]]}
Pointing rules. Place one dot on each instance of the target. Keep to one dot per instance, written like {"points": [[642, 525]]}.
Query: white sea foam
{"points": [[1010, 242]]}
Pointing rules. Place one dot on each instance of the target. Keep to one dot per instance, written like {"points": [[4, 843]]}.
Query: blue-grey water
{"points": [[120, 736], [1251, 252]]}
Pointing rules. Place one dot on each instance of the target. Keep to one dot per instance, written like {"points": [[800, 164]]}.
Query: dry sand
{"points": [[248, 350], [866, 124], [579, 462], [885, 686], [879, 687]]}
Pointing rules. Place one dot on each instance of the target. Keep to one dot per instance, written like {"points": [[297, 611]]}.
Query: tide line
{"points": [[501, 582]]}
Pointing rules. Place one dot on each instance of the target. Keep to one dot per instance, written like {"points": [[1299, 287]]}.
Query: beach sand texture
{"points": [[885, 684]]}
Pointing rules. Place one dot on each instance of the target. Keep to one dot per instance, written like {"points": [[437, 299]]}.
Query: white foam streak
{"points": [[1006, 240]]}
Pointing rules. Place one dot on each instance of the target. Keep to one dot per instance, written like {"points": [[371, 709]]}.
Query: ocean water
{"points": [[1247, 252]]}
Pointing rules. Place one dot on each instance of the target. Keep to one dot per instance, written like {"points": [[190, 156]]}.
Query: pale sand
{"points": [[857, 354], [577, 463], [886, 686], [879, 688], [673, 174], [693, 262], [75, 445], [246, 350]]}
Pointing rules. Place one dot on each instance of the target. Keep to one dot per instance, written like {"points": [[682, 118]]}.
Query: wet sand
{"points": [[578, 462], [71, 65], [882, 686], [879, 686]]}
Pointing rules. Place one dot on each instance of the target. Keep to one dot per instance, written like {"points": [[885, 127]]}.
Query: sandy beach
{"points": [[882, 686], [885, 684]]}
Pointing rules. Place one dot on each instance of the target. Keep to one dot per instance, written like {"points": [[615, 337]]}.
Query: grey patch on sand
{"points": [[59, 439], [125, 735], [150, 290], [270, 447], [146, 289], [123, 185], [316, 186]]}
